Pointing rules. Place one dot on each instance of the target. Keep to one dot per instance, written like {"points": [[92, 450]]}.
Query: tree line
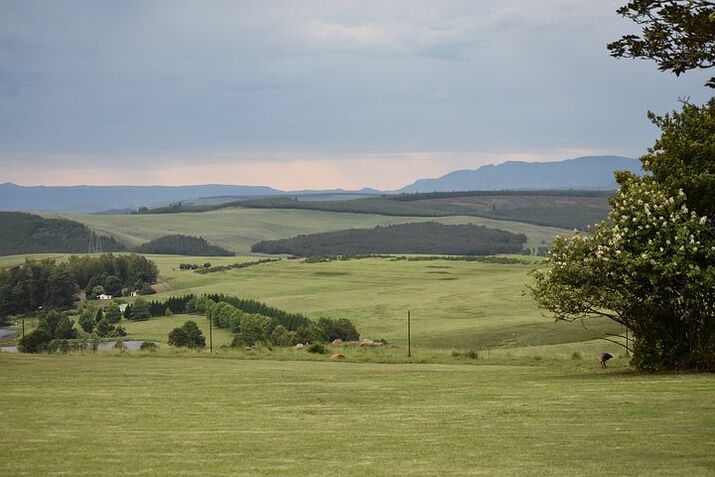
{"points": [[417, 238]]}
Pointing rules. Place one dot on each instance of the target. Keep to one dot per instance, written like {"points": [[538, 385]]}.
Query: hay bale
{"points": [[337, 357], [299, 346], [337, 342]]}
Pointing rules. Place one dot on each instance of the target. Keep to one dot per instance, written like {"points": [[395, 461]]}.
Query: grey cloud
{"points": [[153, 77]]}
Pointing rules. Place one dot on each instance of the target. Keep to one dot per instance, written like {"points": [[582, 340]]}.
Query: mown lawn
{"points": [[198, 416]]}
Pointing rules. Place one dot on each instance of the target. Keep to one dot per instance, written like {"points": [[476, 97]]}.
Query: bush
{"points": [[34, 342], [118, 331], [139, 311], [317, 348], [149, 346], [119, 344], [86, 320], [575, 355], [103, 327], [188, 335]]}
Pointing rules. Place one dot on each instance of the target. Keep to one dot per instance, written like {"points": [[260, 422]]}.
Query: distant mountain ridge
{"points": [[588, 172], [85, 199]]}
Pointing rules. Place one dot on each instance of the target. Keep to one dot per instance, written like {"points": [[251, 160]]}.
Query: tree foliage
{"points": [[28, 233], [684, 155], [34, 342], [650, 267], [188, 335], [679, 35], [183, 245], [429, 237]]}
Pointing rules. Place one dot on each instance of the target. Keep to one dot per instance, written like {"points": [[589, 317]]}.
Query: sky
{"points": [[315, 94]]}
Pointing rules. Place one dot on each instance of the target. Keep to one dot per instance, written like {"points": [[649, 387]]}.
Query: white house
{"points": [[104, 297]]}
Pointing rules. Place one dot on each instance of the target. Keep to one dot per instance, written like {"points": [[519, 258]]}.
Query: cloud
{"points": [[114, 81]]}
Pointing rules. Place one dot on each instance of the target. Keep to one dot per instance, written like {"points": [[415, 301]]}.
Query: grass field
{"points": [[454, 304], [238, 228], [193, 416], [158, 329]]}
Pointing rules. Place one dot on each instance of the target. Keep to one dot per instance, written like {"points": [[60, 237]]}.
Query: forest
{"points": [[39, 284], [29, 233], [428, 237], [183, 245]]}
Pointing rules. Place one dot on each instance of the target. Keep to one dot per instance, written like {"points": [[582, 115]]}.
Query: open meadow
{"points": [[453, 304], [236, 229], [196, 416]]}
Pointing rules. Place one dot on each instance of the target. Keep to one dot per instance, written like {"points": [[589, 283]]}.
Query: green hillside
{"points": [[237, 229], [413, 238], [29, 233]]}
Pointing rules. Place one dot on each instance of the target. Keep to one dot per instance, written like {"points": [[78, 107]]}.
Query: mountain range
{"points": [[589, 172]]}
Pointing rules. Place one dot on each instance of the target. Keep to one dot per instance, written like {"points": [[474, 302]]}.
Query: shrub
{"points": [[34, 342], [86, 320], [112, 313], [103, 327], [575, 355], [149, 346], [119, 344], [188, 335], [317, 348], [119, 331]]}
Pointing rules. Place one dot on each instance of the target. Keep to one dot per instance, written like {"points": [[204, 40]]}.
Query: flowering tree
{"points": [[650, 267]]}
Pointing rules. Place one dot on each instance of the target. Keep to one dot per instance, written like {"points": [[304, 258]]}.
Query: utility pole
{"points": [[409, 340], [211, 335], [23, 327]]}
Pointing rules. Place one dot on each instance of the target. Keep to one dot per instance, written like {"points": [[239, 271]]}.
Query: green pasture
{"points": [[196, 416], [157, 329], [453, 304], [237, 229]]}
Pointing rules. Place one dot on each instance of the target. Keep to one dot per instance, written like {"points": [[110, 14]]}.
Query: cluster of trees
{"points": [[113, 273], [183, 245], [53, 325], [187, 336], [35, 285], [428, 237], [40, 284], [28, 233], [102, 321], [651, 265], [253, 328], [414, 196]]}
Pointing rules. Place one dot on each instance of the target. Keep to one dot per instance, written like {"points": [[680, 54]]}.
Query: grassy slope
{"points": [[237, 229], [195, 417], [157, 329], [453, 304]]}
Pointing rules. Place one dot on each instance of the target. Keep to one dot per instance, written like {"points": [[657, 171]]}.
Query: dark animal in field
{"points": [[603, 358]]}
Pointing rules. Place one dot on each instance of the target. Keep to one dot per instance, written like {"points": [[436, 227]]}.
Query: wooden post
{"points": [[211, 335], [23, 327], [409, 339], [627, 346]]}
